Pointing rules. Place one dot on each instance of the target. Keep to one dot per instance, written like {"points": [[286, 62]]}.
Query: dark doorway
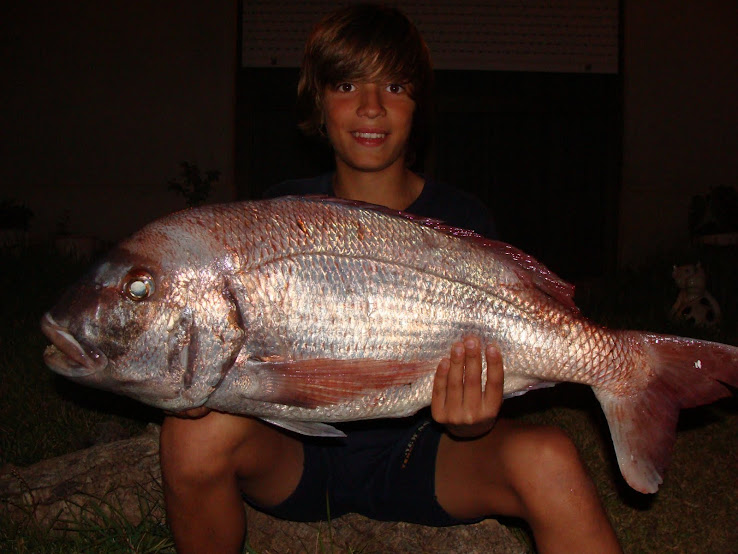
{"points": [[542, 150]]}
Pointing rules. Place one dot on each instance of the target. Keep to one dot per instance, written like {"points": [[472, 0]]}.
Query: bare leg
{"points": [[207, 463], [527, 471]]}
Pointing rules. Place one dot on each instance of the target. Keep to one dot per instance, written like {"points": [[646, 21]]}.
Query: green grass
{"points": [[43, 415], [93, 531]]}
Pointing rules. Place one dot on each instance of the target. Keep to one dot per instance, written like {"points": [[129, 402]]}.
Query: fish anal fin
{"points": [[518, 385], [325, 382]]}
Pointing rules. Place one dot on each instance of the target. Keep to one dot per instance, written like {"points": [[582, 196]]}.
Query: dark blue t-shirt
{"points": [[450, 205]]}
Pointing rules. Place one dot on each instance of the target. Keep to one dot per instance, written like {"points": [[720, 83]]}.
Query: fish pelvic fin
{"points": [[310, 428], [674, 373]]}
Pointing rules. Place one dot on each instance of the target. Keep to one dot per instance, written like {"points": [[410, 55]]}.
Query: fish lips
{"points": [[67, 355]]}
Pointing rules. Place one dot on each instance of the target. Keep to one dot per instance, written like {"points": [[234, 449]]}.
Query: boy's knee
{"points": [[554, 460], [202, 450], [556, 450]]}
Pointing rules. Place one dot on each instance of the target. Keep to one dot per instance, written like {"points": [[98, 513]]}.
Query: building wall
{"points": [[101, 101], [680, 105]]}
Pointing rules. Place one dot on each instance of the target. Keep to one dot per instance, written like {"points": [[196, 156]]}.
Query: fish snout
{"points": [[66, 354]]}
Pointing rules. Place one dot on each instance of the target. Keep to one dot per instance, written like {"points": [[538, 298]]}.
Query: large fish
{"points": [[306, 311]]}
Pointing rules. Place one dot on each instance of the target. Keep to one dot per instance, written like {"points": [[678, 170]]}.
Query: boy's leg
{"points": [[527, 471], [206, 464]]}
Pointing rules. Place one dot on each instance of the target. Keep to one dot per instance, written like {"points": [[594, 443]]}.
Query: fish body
{"points": [[307, 311]]}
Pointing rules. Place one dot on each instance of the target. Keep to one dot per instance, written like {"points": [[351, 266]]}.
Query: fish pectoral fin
{"points": [[311, 428], [326, 382]]}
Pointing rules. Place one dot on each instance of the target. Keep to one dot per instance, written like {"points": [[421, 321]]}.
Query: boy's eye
{"points": [[394, 88], [345, 87]]}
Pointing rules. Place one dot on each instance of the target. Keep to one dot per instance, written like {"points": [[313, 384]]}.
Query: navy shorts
{"points": [[384, 470]]}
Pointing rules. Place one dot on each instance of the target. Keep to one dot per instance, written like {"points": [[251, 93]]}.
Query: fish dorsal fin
{"points": [[533, 272], [530, 271]]}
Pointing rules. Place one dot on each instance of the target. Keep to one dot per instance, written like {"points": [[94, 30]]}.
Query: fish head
{"points": [[155, 320]]}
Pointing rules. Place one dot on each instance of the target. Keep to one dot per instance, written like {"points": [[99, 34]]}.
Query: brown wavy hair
{"points": [[366, 42]]}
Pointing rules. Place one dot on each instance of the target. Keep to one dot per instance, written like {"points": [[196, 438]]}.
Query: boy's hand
{"points": [[458, 402]]}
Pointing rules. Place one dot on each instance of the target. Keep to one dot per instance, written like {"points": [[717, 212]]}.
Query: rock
{"points": [[108, 431], [125, 476], [355, 533]]}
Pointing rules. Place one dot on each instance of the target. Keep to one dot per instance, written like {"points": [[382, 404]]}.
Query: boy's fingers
{"points": [[495, 378], [440, 382], [192, 413], [472, 400], [455, 382]]}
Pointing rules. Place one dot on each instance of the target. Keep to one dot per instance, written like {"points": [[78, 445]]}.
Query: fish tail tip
{"points": [[643, 436], [673, 373]]}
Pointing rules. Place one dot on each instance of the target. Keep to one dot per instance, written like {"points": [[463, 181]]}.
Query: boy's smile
{"points": [[369, 137]]}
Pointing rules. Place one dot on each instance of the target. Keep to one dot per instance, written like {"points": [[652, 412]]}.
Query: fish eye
{"points": [[139, 285]]}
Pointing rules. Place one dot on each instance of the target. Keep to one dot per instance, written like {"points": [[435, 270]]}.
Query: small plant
{"points": [[193, 185], [14, 215]]}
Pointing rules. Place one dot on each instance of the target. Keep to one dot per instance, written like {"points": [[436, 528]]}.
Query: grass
{"points": [[43, 415], [93, 531]]}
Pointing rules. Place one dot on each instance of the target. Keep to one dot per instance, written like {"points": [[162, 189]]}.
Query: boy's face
{"points": [[368, 123]]}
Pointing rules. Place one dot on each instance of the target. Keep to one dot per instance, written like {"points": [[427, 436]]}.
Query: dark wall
{"points": [[680, 121], [269, 147], [542, 150], [101, 101]]}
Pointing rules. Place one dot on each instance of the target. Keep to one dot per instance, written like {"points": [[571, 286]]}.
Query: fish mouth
{"points": [[67, 355]]}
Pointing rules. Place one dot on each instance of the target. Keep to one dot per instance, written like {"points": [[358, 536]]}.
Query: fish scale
{"points": [[324, 309], [308, 311]]}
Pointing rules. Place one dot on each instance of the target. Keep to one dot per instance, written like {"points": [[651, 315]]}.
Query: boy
{"points": [[365, 85]]}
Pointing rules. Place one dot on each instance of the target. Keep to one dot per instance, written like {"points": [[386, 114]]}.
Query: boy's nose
{"points": [[370, 104]]}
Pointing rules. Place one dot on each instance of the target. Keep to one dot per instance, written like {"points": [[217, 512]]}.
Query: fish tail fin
{"points": [[666, 374]]}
